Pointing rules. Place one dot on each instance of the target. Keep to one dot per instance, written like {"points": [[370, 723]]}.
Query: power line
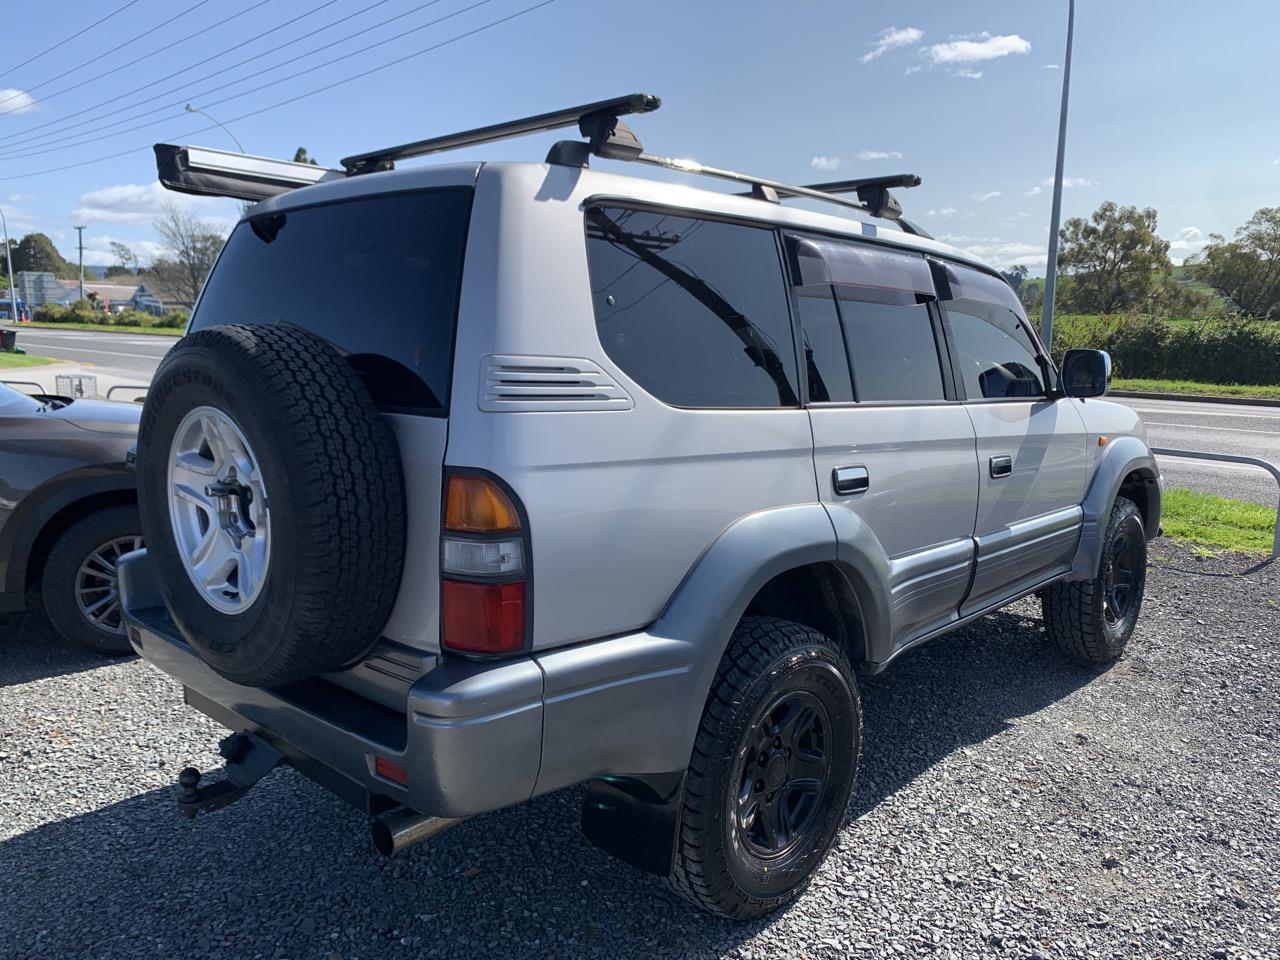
{"points": [[103, 56], [184, 69], [129, 63], [38, 143], [69, 39], [302, 96], [51, 146]]}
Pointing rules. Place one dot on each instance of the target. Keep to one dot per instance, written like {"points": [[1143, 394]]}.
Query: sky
{"points": [[1172, 102]]}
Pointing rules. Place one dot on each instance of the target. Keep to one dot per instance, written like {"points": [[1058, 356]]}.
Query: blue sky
{"points": [[1172, 103]]}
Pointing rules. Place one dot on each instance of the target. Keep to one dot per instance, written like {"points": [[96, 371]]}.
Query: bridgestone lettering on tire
{"points": [[1081, 617], [331, 469], [719, 864]]}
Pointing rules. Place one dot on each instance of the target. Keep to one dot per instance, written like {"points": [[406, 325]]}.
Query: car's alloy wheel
{"points": [[96, 589], [219, 510]]}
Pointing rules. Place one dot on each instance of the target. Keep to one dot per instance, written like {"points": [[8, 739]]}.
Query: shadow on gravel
{"points": [[30, 649], [289, 871]]}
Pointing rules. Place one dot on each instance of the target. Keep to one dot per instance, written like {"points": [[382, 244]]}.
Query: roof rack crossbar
{"points": [[585, 116]]}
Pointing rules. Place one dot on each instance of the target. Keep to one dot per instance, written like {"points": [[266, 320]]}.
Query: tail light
{"points": [[484, 557]]}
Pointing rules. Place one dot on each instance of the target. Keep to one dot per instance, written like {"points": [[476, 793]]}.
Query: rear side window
{"points": [[378, 277], [695, 311], [993, 345], [876, 321]]}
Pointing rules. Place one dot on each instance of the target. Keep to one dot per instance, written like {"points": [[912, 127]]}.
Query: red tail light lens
{"points": [[391, 770], [482, 617]]}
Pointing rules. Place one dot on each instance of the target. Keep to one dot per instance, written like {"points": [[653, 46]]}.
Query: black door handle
{"points": [[847, 480], [1001, 466]]}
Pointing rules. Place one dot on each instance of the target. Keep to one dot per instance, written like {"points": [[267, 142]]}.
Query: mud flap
{"points": [[636, 819]]}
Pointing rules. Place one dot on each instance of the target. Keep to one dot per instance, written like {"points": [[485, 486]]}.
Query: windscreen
{"points": [[378, 277]]}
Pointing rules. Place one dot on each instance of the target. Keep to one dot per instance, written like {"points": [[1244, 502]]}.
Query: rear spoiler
{"points": [[206, 172]]}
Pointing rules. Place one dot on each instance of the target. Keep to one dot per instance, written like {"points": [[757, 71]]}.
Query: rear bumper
{"points": [[472, 736]]}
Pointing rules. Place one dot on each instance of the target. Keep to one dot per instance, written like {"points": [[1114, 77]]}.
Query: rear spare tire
{"points": [[272, 502]]}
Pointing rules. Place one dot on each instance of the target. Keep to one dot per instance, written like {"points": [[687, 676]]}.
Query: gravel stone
{"points": [[1011, 805]]}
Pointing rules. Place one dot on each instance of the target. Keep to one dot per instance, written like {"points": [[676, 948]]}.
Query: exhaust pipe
{"points": [[402, 828]]}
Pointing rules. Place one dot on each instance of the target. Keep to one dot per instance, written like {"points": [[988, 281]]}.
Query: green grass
{"points": [[1193, 387], [163, 331], [8, 360], [1212, 521]]}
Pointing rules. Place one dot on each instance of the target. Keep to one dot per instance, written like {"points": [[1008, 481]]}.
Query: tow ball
{"points": [[249, 759]]}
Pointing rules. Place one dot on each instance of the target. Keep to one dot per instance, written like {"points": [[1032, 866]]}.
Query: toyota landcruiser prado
{"points": [[588, 477]]}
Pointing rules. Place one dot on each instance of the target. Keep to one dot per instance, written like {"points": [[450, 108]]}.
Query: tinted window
{"points": [[892, 349], [694, 311], [376, 277], [824, 351], [990, 337]]}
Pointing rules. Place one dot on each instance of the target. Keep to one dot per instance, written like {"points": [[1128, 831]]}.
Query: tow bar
{"points": [[249, 759]]}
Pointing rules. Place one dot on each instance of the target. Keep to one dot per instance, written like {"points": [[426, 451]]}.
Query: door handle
{"points": [[1001, 466], [847, 480]]}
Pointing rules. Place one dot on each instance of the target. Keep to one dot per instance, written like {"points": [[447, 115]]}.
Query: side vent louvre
{"points": [[548, 383]]}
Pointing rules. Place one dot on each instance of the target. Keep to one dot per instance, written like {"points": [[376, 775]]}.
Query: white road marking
{"points": [[1192, 426]]}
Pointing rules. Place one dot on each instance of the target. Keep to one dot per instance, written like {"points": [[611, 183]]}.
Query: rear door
{"points": [[1031, 444], [892, 446]]}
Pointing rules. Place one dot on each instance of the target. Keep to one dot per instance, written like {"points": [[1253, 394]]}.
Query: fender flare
{"points": [[1123, 456], [707, 605]]}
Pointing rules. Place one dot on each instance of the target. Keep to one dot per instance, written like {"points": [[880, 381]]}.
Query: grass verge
{"points": [[1199, 389], [112, 327], [1214, 521], [8, 360]]}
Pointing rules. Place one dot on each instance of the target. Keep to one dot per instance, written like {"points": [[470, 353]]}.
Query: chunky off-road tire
{"points": [[79, 586], [1092, 620], [783, 712], [330, 469]]}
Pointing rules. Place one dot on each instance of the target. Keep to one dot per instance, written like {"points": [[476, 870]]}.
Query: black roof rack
{"points": [[220, 173], [596, 120]]}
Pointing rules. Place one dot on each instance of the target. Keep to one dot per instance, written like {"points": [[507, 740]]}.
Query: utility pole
{"points": [[80, 233], [1051, 269], [8, 262]]}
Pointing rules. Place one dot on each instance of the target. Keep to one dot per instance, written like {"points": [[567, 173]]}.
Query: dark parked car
{"points": [[68, 510]]}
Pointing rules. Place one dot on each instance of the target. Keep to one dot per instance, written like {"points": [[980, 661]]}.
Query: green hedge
{"points": [[81, 312], [1224, 350]]}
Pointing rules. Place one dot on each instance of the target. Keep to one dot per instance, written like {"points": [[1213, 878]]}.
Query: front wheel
{"points": [[1092, 620], [773, 765]]}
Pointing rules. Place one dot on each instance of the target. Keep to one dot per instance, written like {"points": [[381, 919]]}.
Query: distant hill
{"points": [[1181, 273]]}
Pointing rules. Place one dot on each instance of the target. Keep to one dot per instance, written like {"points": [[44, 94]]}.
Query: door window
{"points": [[695, 311], [824, 352], [990, 336], [892, 348]]}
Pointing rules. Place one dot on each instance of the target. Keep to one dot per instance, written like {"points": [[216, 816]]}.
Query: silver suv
{"points": [[576, 476]]}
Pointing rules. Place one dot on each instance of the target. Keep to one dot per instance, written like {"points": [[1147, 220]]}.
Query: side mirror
{"points": [[1086, 373]]}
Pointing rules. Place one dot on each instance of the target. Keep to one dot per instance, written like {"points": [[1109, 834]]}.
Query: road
{"points": [[1215, 427], [128, 355]]}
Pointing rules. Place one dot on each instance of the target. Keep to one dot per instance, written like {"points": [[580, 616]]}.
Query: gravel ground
{"points": [[1010, 805]]}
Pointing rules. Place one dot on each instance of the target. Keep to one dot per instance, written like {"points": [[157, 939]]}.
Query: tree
{"points": [[1112, 259], [300, 156], [190, 248], [1015, 275], [1245, 270], [36, 252], [126, 261]]}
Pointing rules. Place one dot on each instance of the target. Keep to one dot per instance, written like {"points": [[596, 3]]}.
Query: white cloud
{"points": [[985, 47], [135, 203], [891, 38], [1276, 162], [1032, 192], [1049, 66], [879, 154], [97, 249], [967, 73], [984, 197], [20, 198], [910, 70], [15, 101], [1001, 253], [1069, 182], [1185, 242], [944, 212], [821, 162]]}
